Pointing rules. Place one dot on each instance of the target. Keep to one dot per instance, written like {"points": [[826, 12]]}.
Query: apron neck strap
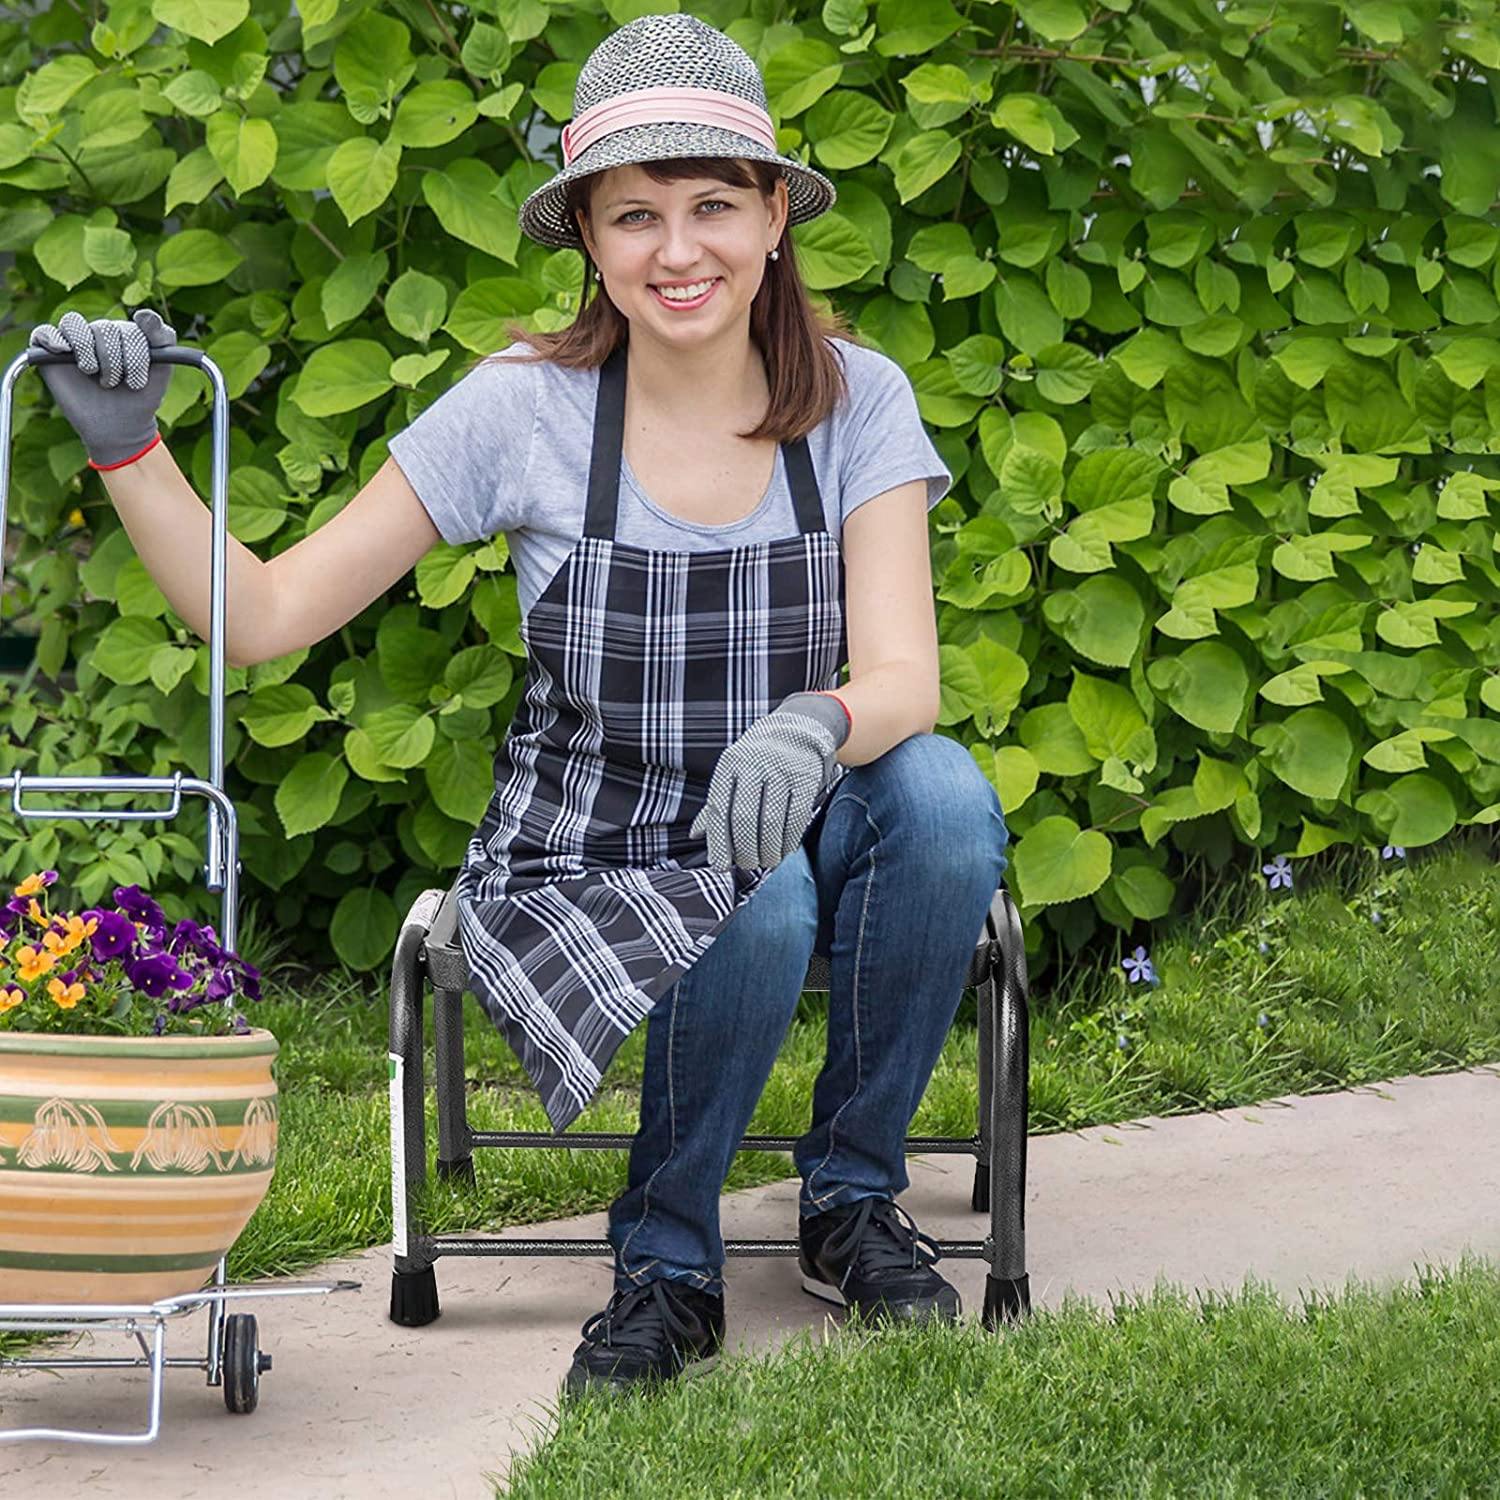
{"points": [[609, 446]]}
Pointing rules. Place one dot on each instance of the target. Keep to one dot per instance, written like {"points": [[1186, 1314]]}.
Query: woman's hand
{"points": [[767, 783], [112, 390]]}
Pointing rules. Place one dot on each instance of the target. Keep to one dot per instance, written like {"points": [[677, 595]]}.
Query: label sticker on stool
{"points": [[398, 1154]]}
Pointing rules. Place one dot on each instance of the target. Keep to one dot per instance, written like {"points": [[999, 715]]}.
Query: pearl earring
{"points": [[775, 255]]}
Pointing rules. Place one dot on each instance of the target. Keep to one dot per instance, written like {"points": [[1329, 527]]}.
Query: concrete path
{"points": [[1300, 1192]]}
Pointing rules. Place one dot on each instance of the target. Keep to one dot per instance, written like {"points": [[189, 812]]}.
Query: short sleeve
{"points": [[466, 455], [883, 442]]}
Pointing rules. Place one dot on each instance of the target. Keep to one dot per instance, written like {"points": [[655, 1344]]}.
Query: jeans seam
{"points": [[671, 1138], [859, 950]]}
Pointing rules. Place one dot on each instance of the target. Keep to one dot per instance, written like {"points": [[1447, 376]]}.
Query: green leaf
{"points": [[59, 250], [432, 114], [1144, 891], [911, 26], [1057, 20], [1035, 121], [361, 174], [460, 775], [464, 198], [923, 160], [1109, 719], [195, 257], [831, 251], [195, 93], [125, 647], [1057, 861], [243, 148], [1101, 619], [1310, 750], [308, 795], [847, 129], [401, 735], [1413, 811], [799, 74], [1206, 684], [207, 20], [1056, 741], [900, 329], [282, 714], [193, 179], [343, 377], [364, 928], [351, 285]]}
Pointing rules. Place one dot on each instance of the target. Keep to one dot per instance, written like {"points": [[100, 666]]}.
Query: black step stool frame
{"points": [[428, 951]]}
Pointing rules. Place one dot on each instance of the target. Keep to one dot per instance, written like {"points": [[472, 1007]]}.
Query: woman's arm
{"points": [[891, 624], [301, 595]]}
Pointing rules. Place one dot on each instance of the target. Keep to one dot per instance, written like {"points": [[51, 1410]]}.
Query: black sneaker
{"points": [[869, 1256], [653, 1332]]}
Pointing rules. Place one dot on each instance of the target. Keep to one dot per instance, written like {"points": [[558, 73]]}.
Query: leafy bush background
{"points": [[1199, 299]]}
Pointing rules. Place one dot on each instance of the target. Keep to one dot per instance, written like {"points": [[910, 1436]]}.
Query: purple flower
{"points": [[156, 974], [1279, 872], [139, 907], [1265, 947], [1376, 918], [115, 935], [1138, 967], [1393, 851], [1263, 1020]]}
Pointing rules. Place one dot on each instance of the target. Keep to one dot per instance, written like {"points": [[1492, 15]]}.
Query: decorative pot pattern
{"points": [[129, 1165]]}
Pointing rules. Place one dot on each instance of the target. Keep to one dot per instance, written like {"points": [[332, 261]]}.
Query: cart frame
{"points": [[221, 871]]}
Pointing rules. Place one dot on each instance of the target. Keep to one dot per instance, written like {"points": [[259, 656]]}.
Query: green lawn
{"points": [[1365, 1394]]}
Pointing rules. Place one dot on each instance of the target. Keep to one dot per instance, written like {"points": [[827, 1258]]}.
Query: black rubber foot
{"points": [[1006, 1300], [979, 1200], [463, 1169], [414, 1298]]}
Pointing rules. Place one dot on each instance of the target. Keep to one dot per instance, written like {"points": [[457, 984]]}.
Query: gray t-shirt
{"points": [[506, 448]]}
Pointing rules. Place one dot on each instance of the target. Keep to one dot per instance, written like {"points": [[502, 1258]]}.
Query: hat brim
{"points": [[544, 215]]}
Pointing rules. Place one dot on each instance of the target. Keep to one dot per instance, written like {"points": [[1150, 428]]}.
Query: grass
{"points": [[1261, 995], [1336, 1001]]}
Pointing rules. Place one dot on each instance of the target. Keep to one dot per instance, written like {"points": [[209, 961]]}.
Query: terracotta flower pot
{"points": [[128, 1165]]}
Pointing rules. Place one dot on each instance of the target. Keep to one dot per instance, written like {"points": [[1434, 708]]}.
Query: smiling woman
{"points": [[714, 500]]}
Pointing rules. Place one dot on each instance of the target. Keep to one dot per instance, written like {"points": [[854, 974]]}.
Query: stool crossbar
{"points": [[428, 953]]}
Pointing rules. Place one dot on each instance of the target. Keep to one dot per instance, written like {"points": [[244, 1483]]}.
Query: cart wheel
{"points": [[243, 1362]]}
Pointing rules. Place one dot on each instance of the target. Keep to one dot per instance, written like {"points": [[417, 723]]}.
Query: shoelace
{"points": [[658, 1310], [874, 1252]]}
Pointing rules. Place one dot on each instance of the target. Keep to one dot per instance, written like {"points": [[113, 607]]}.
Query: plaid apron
{"points": [[582, 898]]}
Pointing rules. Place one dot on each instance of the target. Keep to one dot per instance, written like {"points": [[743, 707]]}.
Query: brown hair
{"points": [[805, 376]]}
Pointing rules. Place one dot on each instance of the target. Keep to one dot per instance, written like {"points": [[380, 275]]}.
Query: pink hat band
{"points": [[657, 106]]}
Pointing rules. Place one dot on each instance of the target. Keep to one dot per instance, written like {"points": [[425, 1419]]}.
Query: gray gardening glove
{"points": [[766, 784], [112, 391]]}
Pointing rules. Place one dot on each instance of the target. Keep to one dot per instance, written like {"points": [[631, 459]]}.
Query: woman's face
{"points": [[682, 260]]}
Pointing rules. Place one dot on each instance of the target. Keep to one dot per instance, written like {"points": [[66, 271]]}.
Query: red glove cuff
{"points": [[144, 451]]}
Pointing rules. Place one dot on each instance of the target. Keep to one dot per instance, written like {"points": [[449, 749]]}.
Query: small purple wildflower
{"points": [[1265, 947], [1376, 918], [1263, 1020], [1279, 872], [1123, 1042], [1138, 967], [1393, 851]]}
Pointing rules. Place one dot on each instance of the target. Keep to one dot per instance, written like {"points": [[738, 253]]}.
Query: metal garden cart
{"points": [[233, 1358]]}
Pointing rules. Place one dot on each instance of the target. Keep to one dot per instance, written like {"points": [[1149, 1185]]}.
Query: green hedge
{"points": [[1199, 300]]}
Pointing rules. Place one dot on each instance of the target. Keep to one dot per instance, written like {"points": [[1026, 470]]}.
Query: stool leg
{"points": [[455, 1157], [414, 1298], [1007, 1292], [980, 1198]]}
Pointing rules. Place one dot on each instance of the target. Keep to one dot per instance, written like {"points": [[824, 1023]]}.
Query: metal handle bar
{"points": [[223, 848]]}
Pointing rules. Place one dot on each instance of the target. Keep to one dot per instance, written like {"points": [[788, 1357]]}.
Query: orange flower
{"points": [[32, 963], [61, 944], [67, 996], [10, 999], [37, 914], [30, 886]]}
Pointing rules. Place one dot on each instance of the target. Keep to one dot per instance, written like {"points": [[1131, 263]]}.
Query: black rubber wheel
{"points": [[243, 1362]]}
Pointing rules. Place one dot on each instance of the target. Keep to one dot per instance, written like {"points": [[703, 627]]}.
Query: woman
{"points": [[701, 486]]}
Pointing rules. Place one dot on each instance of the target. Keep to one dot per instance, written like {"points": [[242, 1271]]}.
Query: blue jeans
{"points": [[892, 882]]}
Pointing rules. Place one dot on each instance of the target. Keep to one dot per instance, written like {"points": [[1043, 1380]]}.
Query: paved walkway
{"points": [[1300, 1192]]}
